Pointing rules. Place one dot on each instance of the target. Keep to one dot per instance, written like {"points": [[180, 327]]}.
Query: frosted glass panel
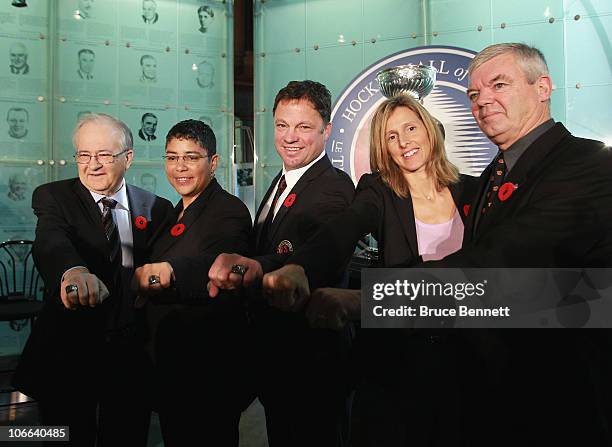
{"points": [[589, 57], [346, 23]]}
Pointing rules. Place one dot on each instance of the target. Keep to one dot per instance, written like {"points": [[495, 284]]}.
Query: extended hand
{"points": [[151, 279], [224, 273], [81, 288], [287, 288]]}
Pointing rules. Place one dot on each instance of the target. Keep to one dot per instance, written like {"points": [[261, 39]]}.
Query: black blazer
{"points": [[215, 222], [321, 193], [69, 233], [378, 210], [560, 215], [189, 330]]}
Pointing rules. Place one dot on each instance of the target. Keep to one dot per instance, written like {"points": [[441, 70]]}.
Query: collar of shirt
{"points": [[292, 177], [120, 196], [514, 152]]}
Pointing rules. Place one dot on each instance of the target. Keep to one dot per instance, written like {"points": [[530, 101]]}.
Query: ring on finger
{"points": [[154, 279], [239, 269], [71, 288]]}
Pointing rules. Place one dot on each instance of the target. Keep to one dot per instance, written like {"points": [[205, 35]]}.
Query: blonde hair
{"points": [[438, 166]]}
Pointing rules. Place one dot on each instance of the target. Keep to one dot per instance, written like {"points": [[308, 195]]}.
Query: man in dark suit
{"points": [[545, 201], [149, 12], [84, 361], [303, 407]]}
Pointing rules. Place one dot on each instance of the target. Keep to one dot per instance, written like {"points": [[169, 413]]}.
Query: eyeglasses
{"points": [[189, 159], [103, 158]]}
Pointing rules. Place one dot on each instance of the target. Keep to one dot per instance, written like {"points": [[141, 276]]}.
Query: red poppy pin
{"points": [[289, 200], [466, 210], [506, 190], [177, 230], [141, 222]]}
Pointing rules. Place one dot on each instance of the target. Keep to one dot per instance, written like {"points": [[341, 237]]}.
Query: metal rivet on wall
{"points": [[297, 50], [168, 49], [223, 55], [41, 36], [262, 54], [63, 39], [222, 110], [413, 35], [577, 17], [107, 42], [435, 33], [263, 109], [551, 20], [579, 85], [353, 42], [373, 40], [62, 162], [40, 98], [479, 28], [503, 25], [186, 50], [40, 162], [128, 45], [316, 47], [62, 99], [106, 102], [51, 162]]}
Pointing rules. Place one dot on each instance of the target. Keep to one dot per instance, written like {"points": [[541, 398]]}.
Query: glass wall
{"points": [[150, 63], [332, 41]]}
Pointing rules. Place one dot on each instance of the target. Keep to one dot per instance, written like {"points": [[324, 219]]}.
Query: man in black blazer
{"points": [[84, 361], [304, 406], [552, 208]]}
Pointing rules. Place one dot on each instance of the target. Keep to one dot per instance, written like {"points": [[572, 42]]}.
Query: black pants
{"points": [[107, 407]]}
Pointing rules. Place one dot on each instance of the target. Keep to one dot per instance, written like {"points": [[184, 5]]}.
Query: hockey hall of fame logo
{"points": [[467, 147]]}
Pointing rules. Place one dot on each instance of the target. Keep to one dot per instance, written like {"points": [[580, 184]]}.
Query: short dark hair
{"points": [[86, 50], [146, 115], [147, 56], [196, 131], [207, 9], [313, 91]]}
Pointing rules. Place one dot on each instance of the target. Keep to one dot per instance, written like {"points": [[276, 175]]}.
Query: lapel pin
{"points": [[506, 190], [141, 223], [289, 200], [177, 230]]}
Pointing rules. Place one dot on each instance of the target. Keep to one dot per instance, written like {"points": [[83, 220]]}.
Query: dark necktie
{"points": [[111, 230], [282, 185], [497, 178]]}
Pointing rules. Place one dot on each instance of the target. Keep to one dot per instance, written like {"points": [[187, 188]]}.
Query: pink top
{"points": [[439, 240]]}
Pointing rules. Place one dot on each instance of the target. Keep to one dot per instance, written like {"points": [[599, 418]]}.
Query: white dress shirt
{"points": [[291, 177], [121, 214]]}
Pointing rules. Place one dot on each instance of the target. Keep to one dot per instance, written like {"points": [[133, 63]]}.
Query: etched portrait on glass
{"points": [[84, 9], [148, 68], [206, 16], [18, 59], [149, 12], [87, 62], [17, 119], [205, 75], [148, 127]]}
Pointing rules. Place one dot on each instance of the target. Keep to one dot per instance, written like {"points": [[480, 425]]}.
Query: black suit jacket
{"points": [[69, 233], [290, 351], [321, 193], [191, 331], [146, 137], [560, 215], [378, 210], [548, 387]]}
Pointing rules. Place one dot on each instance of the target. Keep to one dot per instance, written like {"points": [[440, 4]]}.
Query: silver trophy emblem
{"points": [[416, 80]]}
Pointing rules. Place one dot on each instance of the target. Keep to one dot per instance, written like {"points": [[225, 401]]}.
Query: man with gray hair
{"points": [[18, 185], [84, 361]]}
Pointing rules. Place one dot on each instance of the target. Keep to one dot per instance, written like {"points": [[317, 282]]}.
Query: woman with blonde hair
{"points": [[414, 203]]}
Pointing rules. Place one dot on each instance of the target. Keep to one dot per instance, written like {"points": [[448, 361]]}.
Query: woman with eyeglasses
{"points": [[196, 342]]}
